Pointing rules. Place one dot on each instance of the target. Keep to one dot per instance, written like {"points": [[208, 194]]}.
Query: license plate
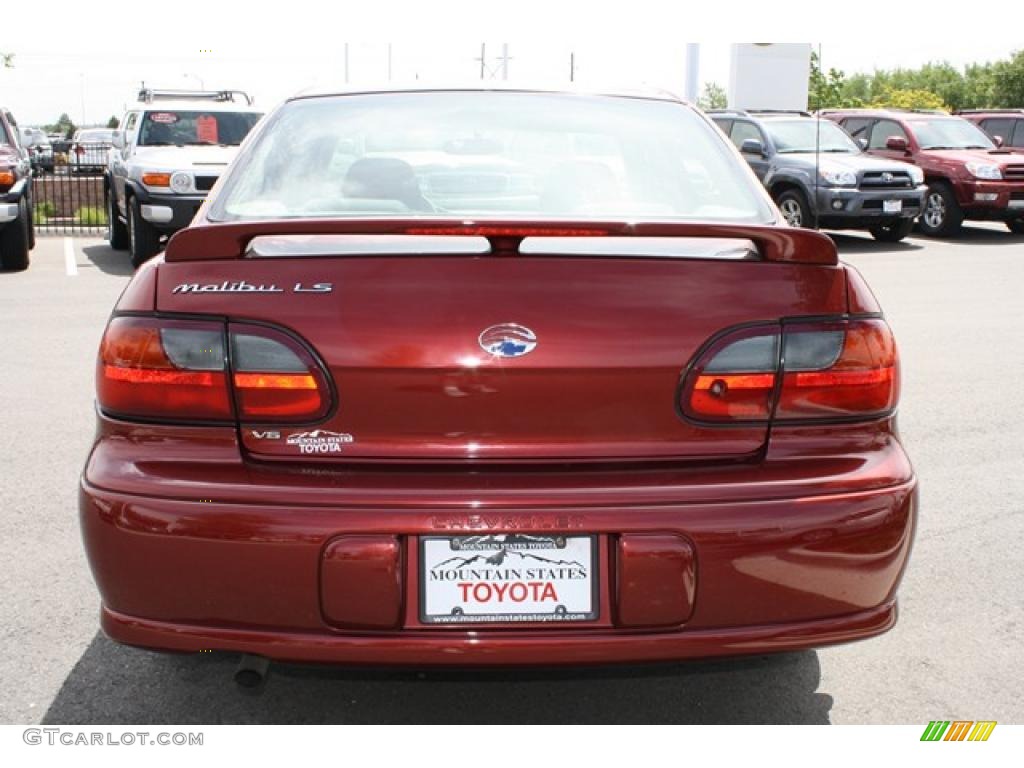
{"points": [[507, 578], [892, 206], [1017, 204]]}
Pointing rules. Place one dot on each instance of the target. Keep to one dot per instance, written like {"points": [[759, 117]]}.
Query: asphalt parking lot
{"points": [[958, 311]]}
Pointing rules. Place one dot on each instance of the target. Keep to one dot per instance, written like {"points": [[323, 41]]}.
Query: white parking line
{"points": [[69, 257]]}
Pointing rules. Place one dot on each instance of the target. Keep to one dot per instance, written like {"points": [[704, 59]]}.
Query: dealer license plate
{"points": [[507, 578], [892, 206]]}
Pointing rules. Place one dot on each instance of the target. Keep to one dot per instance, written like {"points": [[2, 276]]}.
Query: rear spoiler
{"points": [[779, 243]]}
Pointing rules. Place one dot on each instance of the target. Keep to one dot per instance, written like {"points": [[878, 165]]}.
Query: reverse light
{"points": [[197, 370], [843, 369], [156, 179], [984, 171]]}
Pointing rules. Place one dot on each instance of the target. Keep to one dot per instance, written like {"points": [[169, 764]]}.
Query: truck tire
{"points": [[117, 231], [1016, 226], [143, 239], [892, 232], [14, 241], [942, 215], [795, 209]]}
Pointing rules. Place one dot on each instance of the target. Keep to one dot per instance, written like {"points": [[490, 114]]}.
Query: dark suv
{"points": [[837, 186], [968, 176], [17, 236], [1004, 126]]}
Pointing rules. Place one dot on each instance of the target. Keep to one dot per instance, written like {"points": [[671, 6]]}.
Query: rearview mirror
{"points": [[752, 147], [117, 139], [896, 143]]}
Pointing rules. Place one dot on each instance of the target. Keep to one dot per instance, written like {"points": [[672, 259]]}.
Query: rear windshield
{"points": [[950, 133], [168, 127], [505, 154]]}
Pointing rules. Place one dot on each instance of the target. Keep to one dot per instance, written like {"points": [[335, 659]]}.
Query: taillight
{"points": [[197, 370], [795, 371], [164, 369], [276, 379]]}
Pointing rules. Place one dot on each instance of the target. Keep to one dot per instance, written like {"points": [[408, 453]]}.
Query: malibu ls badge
{"points": [[241, 286]]}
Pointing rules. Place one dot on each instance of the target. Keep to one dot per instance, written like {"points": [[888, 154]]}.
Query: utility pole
{"points": [[346, 63], [572, 66], [389, 62], [504, 59], [482, 59]]}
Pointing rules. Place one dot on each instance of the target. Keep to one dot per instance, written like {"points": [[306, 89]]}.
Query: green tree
{"points": [[6, 60], [713, 97], [1008, 81], [113, 122], [826, 89], [63, 126]]}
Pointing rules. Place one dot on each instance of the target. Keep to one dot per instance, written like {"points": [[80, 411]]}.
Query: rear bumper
{"points": [[204, 562]]}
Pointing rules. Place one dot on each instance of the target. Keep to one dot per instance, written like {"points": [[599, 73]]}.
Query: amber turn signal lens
{"points": [[156, 179], [6, 179]]}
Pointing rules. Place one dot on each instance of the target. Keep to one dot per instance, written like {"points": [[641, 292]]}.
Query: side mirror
{"points": [[896, 144], [117, 140], [862, 142], [998, 141], [752, 147]]}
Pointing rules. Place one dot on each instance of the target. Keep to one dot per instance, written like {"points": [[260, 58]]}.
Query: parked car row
{"points": [[886, 168]]}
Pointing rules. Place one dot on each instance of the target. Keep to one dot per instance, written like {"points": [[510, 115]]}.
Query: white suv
{"points": [[171, 148]]}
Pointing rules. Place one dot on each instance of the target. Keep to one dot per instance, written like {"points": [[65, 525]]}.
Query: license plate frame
{"points": [[892, 206], [580, 601]]}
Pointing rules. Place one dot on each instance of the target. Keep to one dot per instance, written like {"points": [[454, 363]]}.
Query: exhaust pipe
{"points": [[252, 671]]}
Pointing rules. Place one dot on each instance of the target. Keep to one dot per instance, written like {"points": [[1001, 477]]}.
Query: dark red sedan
{"points": [[495, 377]]}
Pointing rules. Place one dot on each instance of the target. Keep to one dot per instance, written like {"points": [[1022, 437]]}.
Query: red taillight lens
{"points": [[854, 371], [276, 379], [163, 369], [843, 369], [160, 369]]}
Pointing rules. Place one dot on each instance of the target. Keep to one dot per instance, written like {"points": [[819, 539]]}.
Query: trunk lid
{"points": [[401, 336]]}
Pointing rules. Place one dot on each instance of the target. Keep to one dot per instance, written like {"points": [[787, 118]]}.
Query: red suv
{"points": [[968, 176], [495, 377]]}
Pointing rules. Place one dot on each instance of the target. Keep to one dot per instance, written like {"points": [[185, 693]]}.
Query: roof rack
{"points": [[989, 111], [740, 112], [797, 112], [149, 95]]}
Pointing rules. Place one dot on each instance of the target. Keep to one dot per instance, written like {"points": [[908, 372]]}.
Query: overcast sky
{"points": [[91, 66]]}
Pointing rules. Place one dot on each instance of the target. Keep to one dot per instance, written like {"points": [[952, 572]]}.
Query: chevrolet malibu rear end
{"points": [[493, 378]]}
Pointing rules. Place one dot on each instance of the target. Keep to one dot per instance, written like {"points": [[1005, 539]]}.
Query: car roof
{"points": [[629, 91]]}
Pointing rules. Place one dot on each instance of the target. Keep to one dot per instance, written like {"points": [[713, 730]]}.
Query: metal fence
{"points": [[67, 196]]}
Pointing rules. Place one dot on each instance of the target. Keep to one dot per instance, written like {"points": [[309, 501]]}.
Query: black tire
{"points": [[893, 231], [31, 225], [1016, 226], [795, 208], [14, 241], [117, 231], [143, 239], [942, 215]]}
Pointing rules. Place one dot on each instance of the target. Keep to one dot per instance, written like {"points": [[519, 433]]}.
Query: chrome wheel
{"points": [[792, 212], [934, 210]]}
